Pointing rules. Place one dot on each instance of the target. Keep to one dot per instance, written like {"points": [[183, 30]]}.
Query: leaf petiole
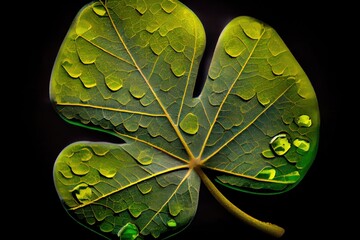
{"points": [[266, 227]]}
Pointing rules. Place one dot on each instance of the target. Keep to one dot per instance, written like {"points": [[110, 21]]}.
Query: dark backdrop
{"points": [[308, 211]]}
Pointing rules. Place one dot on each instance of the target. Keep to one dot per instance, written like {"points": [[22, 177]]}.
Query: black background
{"points": [[311, 210]]}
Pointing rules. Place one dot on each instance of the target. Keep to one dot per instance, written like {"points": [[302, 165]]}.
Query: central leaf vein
{"points": [[189, 75], [129, 185], [227, 94], [175, 127]]}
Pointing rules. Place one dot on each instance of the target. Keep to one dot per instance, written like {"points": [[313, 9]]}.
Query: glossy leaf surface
{"points": [[128, 68]]}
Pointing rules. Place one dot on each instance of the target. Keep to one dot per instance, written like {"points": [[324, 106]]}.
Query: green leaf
{"points": [[128, 68], [106, 188]]}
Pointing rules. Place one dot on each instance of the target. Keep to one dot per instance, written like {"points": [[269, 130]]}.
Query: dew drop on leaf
{"points": [[252, 29], [85, 154], [145, 158], [190, 124], [267, 173], [113, 82], [128, 232], [80, 168], [106, 227], [141, 7], [171, 223], [100, 150], [107, 171], [303, 121], [234, 47], [144, 187], [82, 27], [302, 146], [71, 69], [168, 6], [280, 144], [278, 69], [99, 9], [137, 91], [174, 208], [178, 67], [268, 153], [82, 192], [137, 208]]}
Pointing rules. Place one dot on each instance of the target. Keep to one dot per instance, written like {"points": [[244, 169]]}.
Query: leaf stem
{"points": [[266, 227]]}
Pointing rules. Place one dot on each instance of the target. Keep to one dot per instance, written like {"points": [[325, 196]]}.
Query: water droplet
{"points": [[100, 150], [72, 69], [82, 192], [137, 91], [114, 82], [168, 6], [107, 171], [82, 27], [137, 208], [106, 227], [279, 69], [144, 187], [174, 208], [280, 144], [141, 6], [99, 9], [245, 92], [85, 154], [171, 223], [303, 121], [145, 157], [234, 47], [252, 28], [178, 67], [267, 173], [88, 80], [128, 232], [302, 146], [268, 153], [190, 124], [263, 98], [80, 168]]}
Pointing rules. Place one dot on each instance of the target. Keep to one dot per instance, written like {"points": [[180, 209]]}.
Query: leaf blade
{"points": [[107, 44], [128, 68], [267, 90], [114, 189]]}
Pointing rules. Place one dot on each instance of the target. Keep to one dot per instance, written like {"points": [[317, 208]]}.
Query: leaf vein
{"points": [[175, 127], [129, 185], [168, 200], [227, 94], [249, 124], [111, 109]]}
